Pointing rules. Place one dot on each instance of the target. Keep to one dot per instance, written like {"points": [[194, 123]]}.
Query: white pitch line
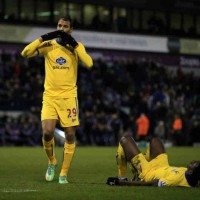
{"points": [[18, 190]]}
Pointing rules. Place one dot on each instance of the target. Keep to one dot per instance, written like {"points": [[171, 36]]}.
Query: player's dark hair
{"points": [[67, 18], [195, 177], [197, 171]]}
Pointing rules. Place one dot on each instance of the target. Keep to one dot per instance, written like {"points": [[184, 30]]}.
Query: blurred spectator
{"points": [[101, 135], [142, 123], [195, 128], [2, 133], [177, 133], [110, 95], [88, 122], [115, 126], [159, 130], [96, 23], [13, 131], [156, 25], [30, 131]]}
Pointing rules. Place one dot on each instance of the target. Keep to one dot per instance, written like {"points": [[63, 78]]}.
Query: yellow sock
{"points": [[67, 158], [49, 149], [121, 162]]}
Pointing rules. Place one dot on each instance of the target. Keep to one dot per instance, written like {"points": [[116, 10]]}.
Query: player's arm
{"points": [[31, 50], [138, 183], [83, 55], [78, 48], [126, 182]]}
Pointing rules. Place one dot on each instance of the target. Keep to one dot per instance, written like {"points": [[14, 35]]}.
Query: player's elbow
{"points": [[87, 61], [25, 53], [28, 52], [90, 64]]}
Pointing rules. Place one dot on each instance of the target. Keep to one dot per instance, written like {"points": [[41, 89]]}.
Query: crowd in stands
{"points": [[112, 96]]}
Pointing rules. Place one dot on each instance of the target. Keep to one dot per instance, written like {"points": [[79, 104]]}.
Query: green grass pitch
{"points": [[22, 172]]}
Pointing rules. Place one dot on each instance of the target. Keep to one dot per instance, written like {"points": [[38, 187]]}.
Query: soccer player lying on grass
{"points": [[152, 169]]}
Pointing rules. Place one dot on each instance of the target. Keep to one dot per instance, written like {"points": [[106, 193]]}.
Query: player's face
{"points": [[64, 26]]}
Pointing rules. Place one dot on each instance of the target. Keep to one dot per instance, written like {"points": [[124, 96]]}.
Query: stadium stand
{"points": [[150, 88], [116, 91]]}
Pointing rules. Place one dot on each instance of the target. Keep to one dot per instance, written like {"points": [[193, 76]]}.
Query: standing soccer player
{"points": [[61, 52]]}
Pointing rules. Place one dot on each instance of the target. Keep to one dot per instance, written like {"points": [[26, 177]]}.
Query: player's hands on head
{"points": [[68, 39], [51, 35]]}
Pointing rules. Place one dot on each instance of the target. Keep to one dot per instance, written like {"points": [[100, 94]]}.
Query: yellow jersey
{"points": [[159, 169], [171, 176], [61, 66]]}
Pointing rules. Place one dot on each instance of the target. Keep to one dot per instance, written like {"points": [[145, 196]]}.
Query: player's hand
{"points": [[115, 180], [51, 35], [68, 39], [112, 181]]}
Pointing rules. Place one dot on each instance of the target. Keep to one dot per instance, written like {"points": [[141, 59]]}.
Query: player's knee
{"points": [[128, 146], [156, 141], [157, 147], [46, 130], [70, 135], [123, 140]]}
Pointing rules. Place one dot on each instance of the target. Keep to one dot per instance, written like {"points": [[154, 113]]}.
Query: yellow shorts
{"points": [[147, 170], [65, 110]]}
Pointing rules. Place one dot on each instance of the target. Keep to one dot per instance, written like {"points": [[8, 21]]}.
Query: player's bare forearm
{"points": [[138, 183]]}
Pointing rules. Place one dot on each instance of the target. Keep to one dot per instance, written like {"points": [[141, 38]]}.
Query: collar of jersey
{"points": [[190, 182]]}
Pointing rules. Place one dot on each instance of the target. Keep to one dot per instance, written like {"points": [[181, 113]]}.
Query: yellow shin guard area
{"points": [[121, 162], [49, 149], [67, 158]]}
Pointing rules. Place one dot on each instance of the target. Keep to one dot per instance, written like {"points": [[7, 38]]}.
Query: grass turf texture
{"points": [[22, 171]]}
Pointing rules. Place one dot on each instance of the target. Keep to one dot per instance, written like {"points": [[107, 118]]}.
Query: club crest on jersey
{"points": [[175, 171], [61, 61]]}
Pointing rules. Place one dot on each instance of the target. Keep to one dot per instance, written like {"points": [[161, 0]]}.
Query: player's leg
{"points": [[69, 149], [147, 153], [121, 161], [156, 147], [130, 147], [49, 119], [70, 122], [131, 150], [48, 127]]}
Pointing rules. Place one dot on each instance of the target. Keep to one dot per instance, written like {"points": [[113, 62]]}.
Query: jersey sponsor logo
{"points": [[61, 61], [60, 67]]}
